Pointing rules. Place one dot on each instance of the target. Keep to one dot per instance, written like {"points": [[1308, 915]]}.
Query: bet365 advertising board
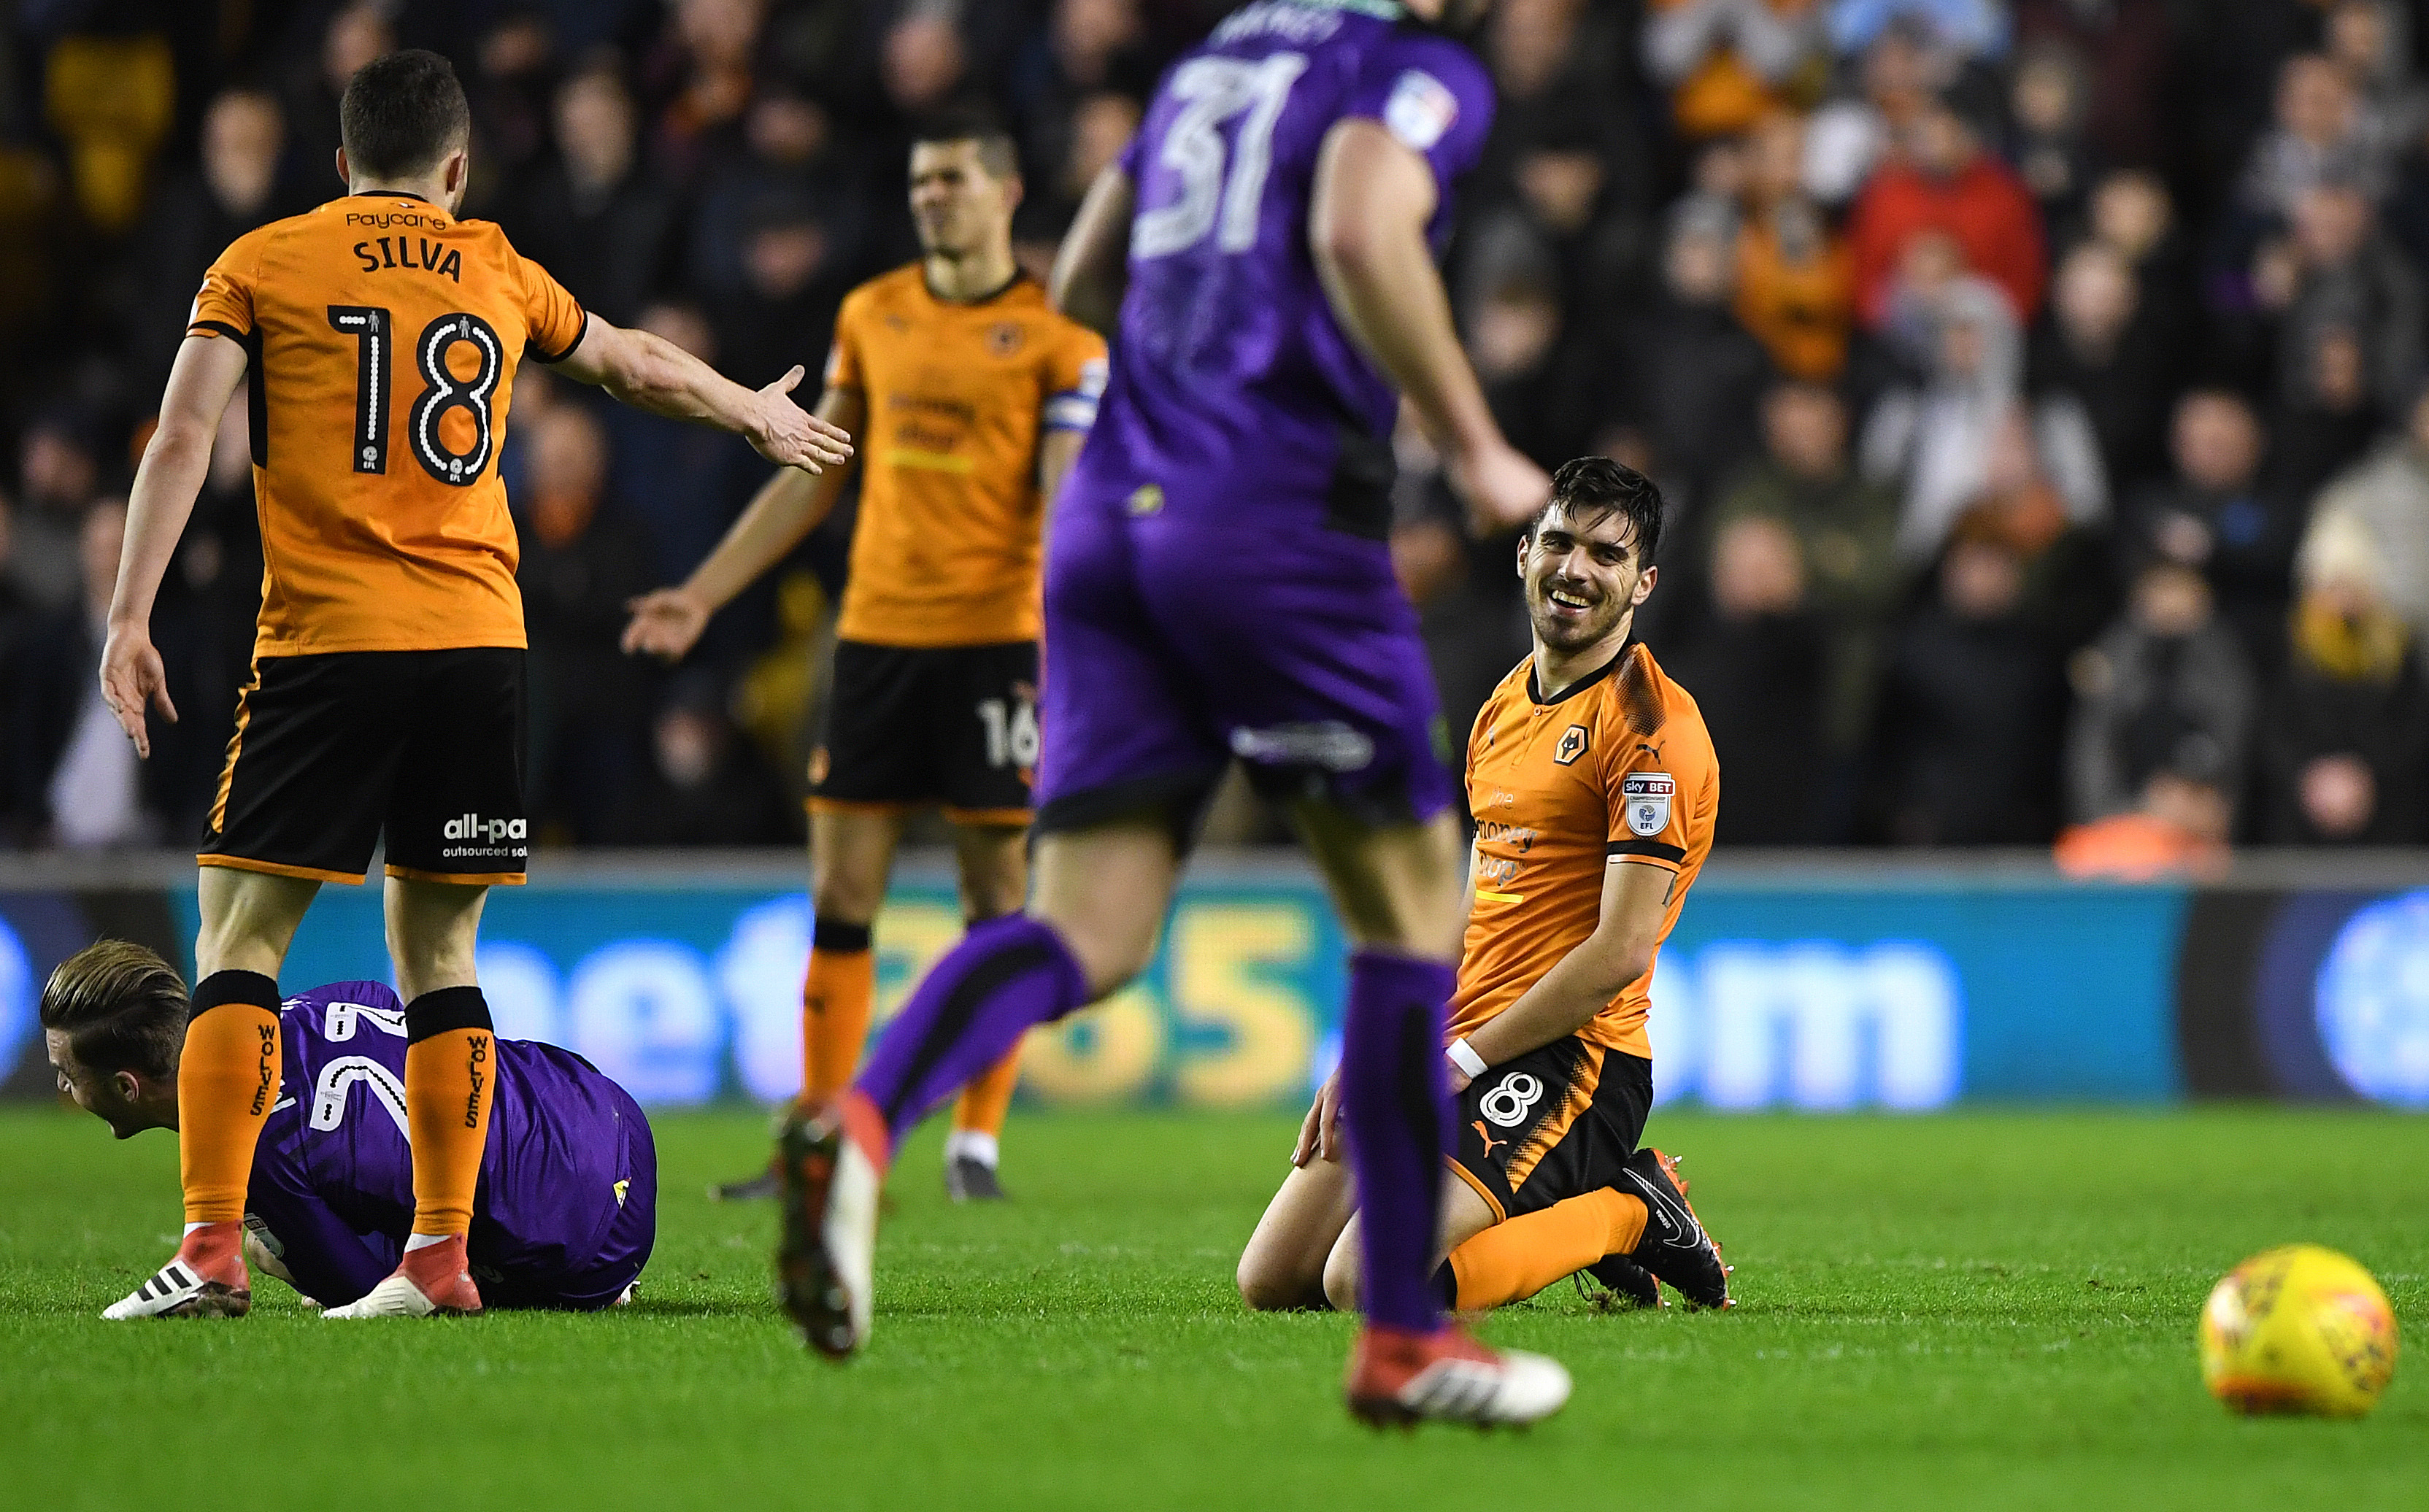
{"points": [[1821, 988]]}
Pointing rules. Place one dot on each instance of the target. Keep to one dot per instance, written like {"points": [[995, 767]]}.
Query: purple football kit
{"points": [[1217, 582], [566, 1208]]}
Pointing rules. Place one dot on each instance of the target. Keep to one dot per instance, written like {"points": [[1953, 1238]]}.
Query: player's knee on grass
{"points": [[1341, 1271], [1271, 1282]]}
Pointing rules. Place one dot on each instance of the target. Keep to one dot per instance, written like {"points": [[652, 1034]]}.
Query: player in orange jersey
{"points": [[380, 336], [1594, 789], [974, 395]]}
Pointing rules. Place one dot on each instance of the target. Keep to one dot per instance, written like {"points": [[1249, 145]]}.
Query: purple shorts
{"points": [[1175, 644]]}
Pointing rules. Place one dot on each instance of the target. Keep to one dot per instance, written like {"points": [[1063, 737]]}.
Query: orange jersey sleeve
{"points": [[959, 396], [381, 336]]}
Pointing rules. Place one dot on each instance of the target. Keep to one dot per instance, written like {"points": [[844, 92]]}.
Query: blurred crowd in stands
{"points": [[2038, 386]]}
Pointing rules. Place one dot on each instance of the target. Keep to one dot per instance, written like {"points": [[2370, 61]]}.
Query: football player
{"points": [[567, 1209], [1594, 790], [1219, 588], [379, 336], [972, 396]]}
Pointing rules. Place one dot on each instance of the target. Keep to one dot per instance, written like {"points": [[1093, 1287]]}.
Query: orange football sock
{"points": [[988, 1097], [837, 997], [1511, 1262], [451, 1064], [227, 1080]]}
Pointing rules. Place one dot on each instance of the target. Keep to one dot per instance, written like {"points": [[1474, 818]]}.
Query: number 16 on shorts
{"points": [[1011, 727]]}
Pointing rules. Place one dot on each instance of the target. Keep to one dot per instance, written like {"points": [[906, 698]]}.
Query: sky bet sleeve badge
{"points": [[1646, 797]]}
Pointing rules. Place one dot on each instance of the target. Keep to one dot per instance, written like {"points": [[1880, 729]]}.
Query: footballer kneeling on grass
{"points": [[1594, 789], [567, 1211]]}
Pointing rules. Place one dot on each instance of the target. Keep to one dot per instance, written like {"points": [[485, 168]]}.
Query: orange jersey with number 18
{"points": [[383, 336], [1618, 768]]}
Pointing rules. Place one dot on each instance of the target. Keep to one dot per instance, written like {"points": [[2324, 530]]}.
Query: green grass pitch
{"points": [[1982, 1311]]}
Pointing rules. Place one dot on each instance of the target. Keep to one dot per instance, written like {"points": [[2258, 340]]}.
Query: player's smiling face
{"points": [[957, 204], [1583, 577]]}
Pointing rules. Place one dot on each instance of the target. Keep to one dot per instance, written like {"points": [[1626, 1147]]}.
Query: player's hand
{"points": [[1501, 489], [132, 680], [257, 1257], [1319, 1133], [791, 436], [665, 624], [1456, 1076]]}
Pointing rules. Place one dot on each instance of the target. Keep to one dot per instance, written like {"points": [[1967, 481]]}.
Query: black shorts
{"points": [[952, 725], [1556, 1122], [334, 751]]}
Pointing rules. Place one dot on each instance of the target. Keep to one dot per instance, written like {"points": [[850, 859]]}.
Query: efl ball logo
{"points": [[2298, 1329]]}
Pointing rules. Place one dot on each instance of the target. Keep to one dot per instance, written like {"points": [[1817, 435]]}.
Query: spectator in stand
{"points": [[2231, 55], [2217, 516], [2321, 138], [2386, 498], [594, 214], [1089, 50], [76, 775], [1898, 75], [1844, 528], [1728, 63], [1941, 179], [2165, 695], [234, 188], [2048, 103], [2130, 210], [1758, 666], [2344, 751], [2371, 43], [1966, 751], [358, 33], [1551, 63], [2097, 348], [702, 787], [2334, 276], [793, 281], [57, 479], [1697, 371], [581, 563], [509, 90], [1936, 442], [2125, 47], [1970, 29], [1796, 280]]}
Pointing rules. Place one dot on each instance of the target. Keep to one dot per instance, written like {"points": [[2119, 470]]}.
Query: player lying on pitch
{"points": [[1594, 789], [569, 1181]]}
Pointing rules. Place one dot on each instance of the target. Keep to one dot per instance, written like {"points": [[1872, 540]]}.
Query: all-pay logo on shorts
{"points": [[1647, 797], [489, 831]]}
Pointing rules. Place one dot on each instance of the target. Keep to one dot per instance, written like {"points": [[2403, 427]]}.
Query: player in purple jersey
{"points": [[566, 1208], [1217, 587]]}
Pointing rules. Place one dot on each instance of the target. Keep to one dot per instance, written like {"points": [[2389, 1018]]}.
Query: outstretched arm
{"points": [[788, 507], [1635, 897], [650, 372], [1092, 268], [1367, 229], [174, 463]]}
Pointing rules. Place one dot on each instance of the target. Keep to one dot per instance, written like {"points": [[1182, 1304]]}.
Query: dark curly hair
{"points": [[1586, 490]]}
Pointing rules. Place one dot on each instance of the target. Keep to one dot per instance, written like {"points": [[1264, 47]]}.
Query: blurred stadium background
{"points": [[2038, 387]]}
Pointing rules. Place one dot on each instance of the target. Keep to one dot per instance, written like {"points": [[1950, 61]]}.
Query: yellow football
{"points": [[2300, 1328]]}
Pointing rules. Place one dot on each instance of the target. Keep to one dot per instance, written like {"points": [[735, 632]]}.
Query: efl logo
{"points": [[472, 826]]}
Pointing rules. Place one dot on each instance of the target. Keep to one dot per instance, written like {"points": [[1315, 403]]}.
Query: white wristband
{"points": [[1463, 1056]]}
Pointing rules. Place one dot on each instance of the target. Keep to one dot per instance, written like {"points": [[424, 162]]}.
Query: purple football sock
{"points": [[1395, 1109], [1005, 976]]}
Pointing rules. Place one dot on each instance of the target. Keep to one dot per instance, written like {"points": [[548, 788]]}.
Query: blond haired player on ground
{"points": [[380, 336], [973, 396], [1594, 789]]}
